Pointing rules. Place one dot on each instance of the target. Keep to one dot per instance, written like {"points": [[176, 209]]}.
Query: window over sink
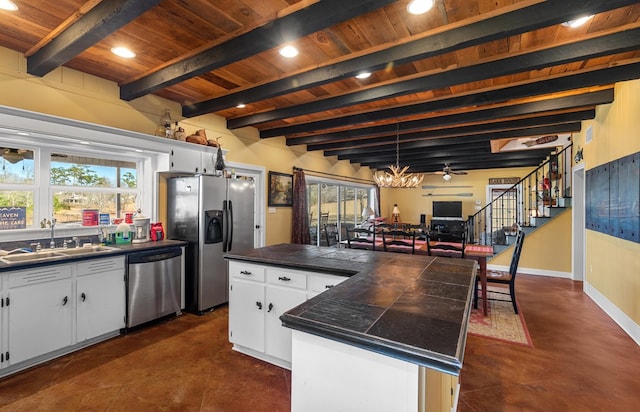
{"points": [[38, 182]]}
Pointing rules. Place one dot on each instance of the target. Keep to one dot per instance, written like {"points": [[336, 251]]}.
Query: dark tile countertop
{"points": [[410, 307], [118, 249]]}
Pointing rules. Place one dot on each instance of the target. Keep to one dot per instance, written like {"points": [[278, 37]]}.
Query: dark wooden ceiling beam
{"points": [[588, 100], [466, 130], [442, 150], [517, 21], [421, 144], [310, 19], [101, 21], [416, 160], [472, 163], [558, 84], [614, 43]]}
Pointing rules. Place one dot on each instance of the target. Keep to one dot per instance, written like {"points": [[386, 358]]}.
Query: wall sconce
{"points": [[396, 213]]}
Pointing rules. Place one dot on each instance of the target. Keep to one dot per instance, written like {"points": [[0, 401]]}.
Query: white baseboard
{"points": [[530, 271], [625, 322]]}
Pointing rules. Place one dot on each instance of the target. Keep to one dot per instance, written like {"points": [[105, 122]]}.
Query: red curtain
{"points": [[300, 230]]}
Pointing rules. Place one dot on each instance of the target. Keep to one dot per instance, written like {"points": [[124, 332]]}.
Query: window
{"points": [[17, 188], [44, 182], [80, 182]]}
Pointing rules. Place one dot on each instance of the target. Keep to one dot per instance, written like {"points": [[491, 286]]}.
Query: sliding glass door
{"points": [[336, 203]]}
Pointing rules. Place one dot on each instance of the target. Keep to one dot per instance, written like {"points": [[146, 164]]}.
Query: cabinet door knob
{"points": [[259, 305], [65, 300], [270, 307], [284, 278], [83, 297]]}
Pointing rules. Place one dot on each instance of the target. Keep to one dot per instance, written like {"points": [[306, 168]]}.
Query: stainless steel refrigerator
{"points": [[215, 215]]}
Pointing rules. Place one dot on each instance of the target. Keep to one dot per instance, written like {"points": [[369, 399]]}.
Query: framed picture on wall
{"points": [[280, 189]]}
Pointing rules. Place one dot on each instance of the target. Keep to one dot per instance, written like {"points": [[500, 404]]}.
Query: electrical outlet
{"points": [[272, 210]]}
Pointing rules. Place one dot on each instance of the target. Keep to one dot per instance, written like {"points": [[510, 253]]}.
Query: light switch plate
{"points": [[272, 210]]}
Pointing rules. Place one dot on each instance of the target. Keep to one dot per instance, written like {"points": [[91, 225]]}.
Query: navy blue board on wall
{"points": [[613, 198], [601, 194], [624, 209]]}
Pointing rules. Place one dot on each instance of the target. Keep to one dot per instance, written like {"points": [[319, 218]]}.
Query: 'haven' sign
{"points": [[13, 218]]}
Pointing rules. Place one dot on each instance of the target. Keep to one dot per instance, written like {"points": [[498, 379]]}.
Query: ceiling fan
{"points": [[16, 155], [447, 172]]}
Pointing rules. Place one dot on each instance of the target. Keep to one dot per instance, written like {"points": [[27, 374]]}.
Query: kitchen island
{"points": [[390, 337]]}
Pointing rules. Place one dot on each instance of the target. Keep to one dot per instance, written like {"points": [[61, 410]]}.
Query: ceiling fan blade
{"points": [[455, 172]]}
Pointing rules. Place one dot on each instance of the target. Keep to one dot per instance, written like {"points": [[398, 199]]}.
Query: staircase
{"points": [[528, 204]]}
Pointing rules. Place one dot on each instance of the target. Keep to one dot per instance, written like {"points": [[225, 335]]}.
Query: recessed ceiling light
{"points": [[419, 6], [363, 75], [8, 5], [577, 22], [241, 106], [123, 52], [289, 51]]}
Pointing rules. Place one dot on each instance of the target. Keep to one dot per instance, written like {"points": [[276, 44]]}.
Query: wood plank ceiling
{"points": [[443, 85]]}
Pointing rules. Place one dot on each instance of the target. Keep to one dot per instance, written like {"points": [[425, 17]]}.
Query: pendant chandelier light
{"points": [[398, 177]]}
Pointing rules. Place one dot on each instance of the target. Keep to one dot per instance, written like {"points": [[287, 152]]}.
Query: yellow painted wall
{"points": [[547, 248], [74, 95], [612, 264]]}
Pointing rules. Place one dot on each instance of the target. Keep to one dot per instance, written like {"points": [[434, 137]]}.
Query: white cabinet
{"points": [[192, 160], [40, 311], [258, 296], [100, 297], [3, 322], [48, 310]]}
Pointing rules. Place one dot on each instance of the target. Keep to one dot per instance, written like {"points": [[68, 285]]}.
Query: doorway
{"points": [[578, 223]]}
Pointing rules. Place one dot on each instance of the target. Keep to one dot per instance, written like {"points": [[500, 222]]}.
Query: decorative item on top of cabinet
{"points": [[164, 128], [219, 157], [199, 137]]}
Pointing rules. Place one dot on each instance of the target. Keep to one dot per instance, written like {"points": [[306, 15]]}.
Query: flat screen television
{"points": [[447, 209]]}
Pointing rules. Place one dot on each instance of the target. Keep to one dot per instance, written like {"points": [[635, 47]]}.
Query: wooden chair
{"points": [[399, 241], [331, 234], [504, 278], [447, 246], [361, 238]]}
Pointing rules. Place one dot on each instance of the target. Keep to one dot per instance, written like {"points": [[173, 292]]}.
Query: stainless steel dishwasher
{"points": [[153, 285]]}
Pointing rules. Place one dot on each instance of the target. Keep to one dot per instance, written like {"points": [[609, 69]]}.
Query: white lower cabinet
{"points": [[258, 296], [100, 297], [40, 318], [49, 310]]}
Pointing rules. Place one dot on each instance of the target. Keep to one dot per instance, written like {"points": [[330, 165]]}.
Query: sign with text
{"points": [[503, 180], [13, 218]]}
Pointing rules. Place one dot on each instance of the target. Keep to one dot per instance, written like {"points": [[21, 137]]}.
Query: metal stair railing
{"points": [[528, 203]]}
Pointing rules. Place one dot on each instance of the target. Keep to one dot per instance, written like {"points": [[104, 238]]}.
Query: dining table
{"points": [[477, 252]]}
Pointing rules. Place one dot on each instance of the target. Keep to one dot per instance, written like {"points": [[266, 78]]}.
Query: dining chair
{"points": [[361, 238], [451, 245], [504, 278], [331, 234], [399, 241]]}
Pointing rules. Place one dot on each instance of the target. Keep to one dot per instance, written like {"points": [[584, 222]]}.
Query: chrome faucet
{"points": [[52, 243], [77, 241]]}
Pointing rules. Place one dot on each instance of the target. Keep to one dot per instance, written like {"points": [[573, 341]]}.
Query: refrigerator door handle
{"points": [[230, 226], [225, 226]]}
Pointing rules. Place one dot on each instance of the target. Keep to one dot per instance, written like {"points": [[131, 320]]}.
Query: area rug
{"points": [[501, 323]]}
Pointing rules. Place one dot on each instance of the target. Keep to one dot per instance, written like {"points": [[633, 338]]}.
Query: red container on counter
{"points": [[157, 231], [128, 217], [90, 217]]}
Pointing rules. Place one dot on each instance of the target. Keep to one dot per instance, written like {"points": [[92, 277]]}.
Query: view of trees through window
{"points": [[108, 186]]}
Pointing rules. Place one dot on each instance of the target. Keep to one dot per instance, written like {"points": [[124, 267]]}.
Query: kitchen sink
{"points": [[85, 250], [54, 254], [31, 257]]}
